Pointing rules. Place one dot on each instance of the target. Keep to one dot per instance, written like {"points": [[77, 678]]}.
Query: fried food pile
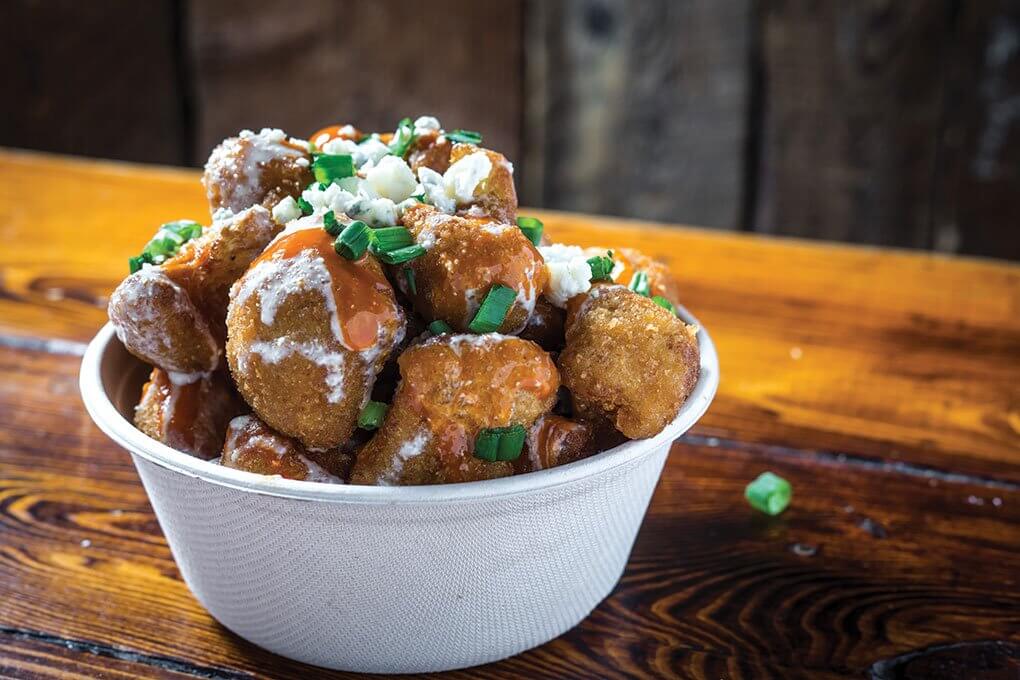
{"points": [[369, 308]]}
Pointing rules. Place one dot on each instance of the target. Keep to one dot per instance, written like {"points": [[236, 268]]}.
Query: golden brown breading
{"points": [[255, 169], [628, 359], [308, 331], [173, 315], [555, 440], [453, 386], [188, 416], [254, 446], [430, 150], [466, 256], [660, 279]]}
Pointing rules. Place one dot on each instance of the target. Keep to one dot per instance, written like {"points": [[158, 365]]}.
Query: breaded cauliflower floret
{"points": [[254, 446], [452, 387], [628, 360]]}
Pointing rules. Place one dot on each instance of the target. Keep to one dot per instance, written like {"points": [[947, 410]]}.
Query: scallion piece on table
{"points": [[438, 327], [372, 415], [769, 493], [494, 307], [664, 303], [353, 240], [385, 239], [412, 284], [330, 224], [464, 136], [601, 267], [306, 207], [639, 284], [403, 138], [327, 167], [400, 255], [532, 228]]}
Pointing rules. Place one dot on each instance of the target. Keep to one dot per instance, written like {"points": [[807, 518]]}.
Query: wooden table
{"points": [[884, 385]]}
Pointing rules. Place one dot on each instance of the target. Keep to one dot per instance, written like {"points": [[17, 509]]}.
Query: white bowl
{"points": [[391, 579]]}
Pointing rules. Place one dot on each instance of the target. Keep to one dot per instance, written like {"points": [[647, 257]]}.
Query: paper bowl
{"points": [[391, 579]]}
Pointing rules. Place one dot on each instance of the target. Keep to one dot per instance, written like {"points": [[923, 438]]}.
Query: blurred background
{"points": [[889, 122]]}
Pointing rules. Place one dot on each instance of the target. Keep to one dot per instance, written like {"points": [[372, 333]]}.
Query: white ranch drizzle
{"points": [[409, 449]]}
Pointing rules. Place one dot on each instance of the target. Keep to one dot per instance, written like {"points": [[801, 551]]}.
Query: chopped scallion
{"points": [[639, 284], [400, 255], [664, 303], [385, 239], [403, 138], [500, 443], [371, 417], [601, 267], [135, 263], [328, 167], [165, 244], [412, 284], [353, 240], [464, 136], [769, 493], [532, 228], [330, 224], [494, 307], [438, 327], [306, 207]]}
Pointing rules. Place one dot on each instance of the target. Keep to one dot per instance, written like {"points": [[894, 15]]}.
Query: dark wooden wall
{"points": [[892, 122]]}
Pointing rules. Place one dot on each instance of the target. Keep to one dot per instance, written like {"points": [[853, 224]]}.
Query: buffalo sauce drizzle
{"points": [[550, 439], [363, 304], [179, 412]]}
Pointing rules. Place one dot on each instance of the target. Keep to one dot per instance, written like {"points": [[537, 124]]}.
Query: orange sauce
{"points": [[552, 437], [363, 297], [180, 410], [333, 131]]}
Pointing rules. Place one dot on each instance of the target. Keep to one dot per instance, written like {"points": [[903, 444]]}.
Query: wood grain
{"points": [[851, 119], [867, 564], [95, 79], [637, 109], [884, 354], [259, 63]]}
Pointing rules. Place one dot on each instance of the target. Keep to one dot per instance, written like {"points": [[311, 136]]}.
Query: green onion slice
{"points": [[464, 136], [601, 267], [400, 255], [438, 327], [328, 167], [403, 138], [412, 284], [165, 244], [500, 443], [532, 228], [639, 284], [372, 415], [385, 239], [353, 240], [664, 303], [330, 224], [305, 206], [769, 493], [494, 307]]}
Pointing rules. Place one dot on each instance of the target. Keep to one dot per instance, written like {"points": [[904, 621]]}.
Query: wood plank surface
{"points": [[851, 119], [882, 354], [260, 63], [868, 563], [637, 109], [94, 78]]}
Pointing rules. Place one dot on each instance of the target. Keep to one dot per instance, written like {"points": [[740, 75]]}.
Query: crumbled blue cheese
{"points": [[364, 155], [458, 185], [426, 124], [391, 178], [286, 210], [569, 272], [375, 212]]}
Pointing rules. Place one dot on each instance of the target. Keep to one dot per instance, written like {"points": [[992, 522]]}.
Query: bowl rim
{"points": [[118, 428]]}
